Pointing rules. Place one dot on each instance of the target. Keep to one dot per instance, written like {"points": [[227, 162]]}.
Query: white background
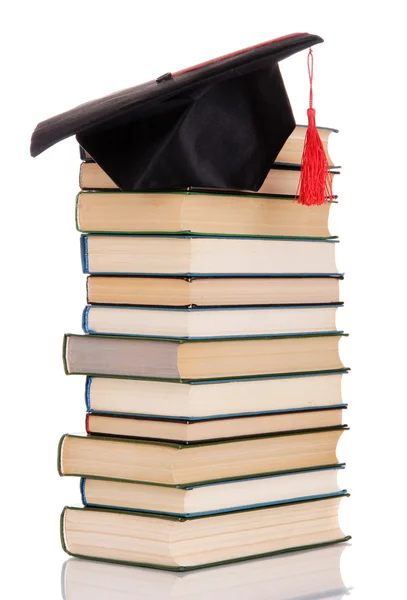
{"points": [[56, 55]]}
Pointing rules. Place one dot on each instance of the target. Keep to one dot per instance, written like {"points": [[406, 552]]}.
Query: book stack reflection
{"points": [[308, 575]]}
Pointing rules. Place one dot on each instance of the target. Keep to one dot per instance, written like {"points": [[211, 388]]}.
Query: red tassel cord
{"points": [[315, 184]]}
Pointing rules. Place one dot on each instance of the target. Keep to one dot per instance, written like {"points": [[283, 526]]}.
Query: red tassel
{"points": [[315, 184]]}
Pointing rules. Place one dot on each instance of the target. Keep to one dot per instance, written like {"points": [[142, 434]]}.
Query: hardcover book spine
{"points": [[87, 289], [83, 155], [85, 320], [77, 212], [88, 385], [64, 354], [84, 253], [62, 531], [59, 455], [81, 175], [82, 487]]}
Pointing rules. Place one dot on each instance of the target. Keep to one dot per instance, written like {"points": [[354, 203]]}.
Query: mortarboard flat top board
{"points": [[219, 124]]}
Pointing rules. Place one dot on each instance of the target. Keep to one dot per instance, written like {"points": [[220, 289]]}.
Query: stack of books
{"points": [[213, 386]]}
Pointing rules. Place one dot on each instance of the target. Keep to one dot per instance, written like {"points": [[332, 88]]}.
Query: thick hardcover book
{"points": [[184, 360], [177, 543], [219, 399], [202, 323], [307, 575], [199, 213], [205, 499], [189, 256], [172, 464]]}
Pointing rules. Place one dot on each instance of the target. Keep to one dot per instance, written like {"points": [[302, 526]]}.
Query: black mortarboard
{"points": [[220, 124]]}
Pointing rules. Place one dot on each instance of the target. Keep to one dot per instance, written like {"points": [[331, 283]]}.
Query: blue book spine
{"points": [[82, 486], [85, 320], [84, 253], [87, 393]]}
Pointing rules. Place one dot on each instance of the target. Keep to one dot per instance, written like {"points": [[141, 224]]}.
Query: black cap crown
{"points": [[220, 124]]}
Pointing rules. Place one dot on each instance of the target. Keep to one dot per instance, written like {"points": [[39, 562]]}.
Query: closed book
{"points": [[223, 496], [210, 429], [219, 322], [280, 180], [178, 543], [304, 575], [180, 359], [165, 463], [186, 255], [199, 213], [291, 152], [212, 291], [197, 400]]}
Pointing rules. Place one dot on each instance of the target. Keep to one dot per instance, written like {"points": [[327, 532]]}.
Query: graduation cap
{"points": [[219, 124]]}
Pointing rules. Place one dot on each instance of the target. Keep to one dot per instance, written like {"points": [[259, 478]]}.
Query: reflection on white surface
{"points": [[309, 575]]}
